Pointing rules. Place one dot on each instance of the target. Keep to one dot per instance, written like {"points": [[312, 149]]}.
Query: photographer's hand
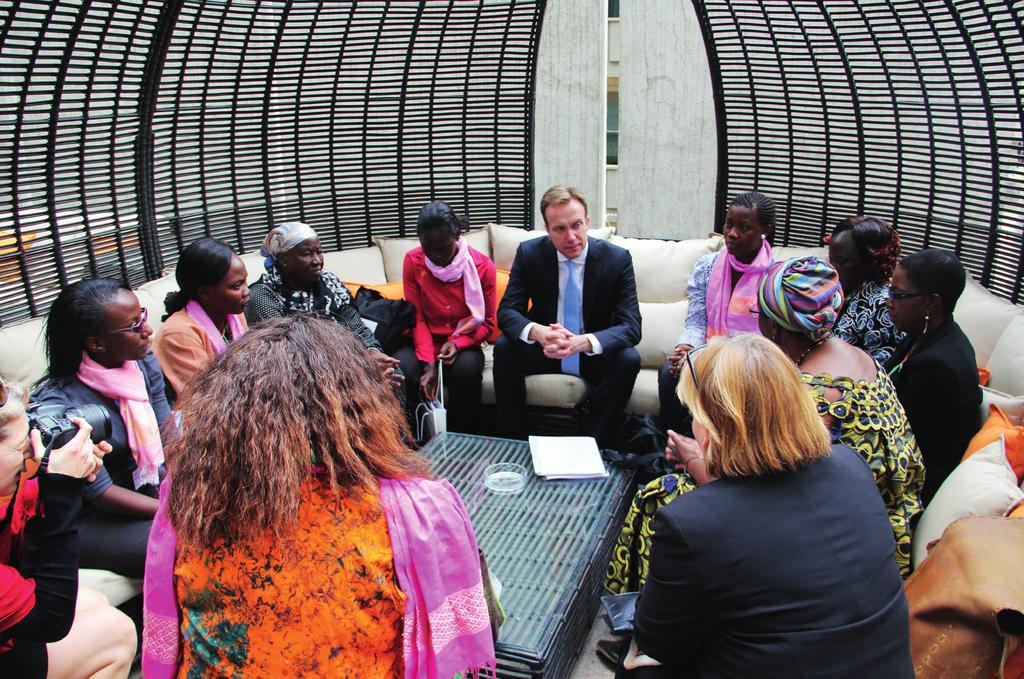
{"points": [[77, 457]]}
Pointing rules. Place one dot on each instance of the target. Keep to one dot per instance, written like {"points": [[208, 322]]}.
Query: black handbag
{"points": [[391, 316]]}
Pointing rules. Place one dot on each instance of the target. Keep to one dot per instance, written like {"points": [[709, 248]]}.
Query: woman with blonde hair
{"points": [[47, 623], [300, 536], [782, 565]]}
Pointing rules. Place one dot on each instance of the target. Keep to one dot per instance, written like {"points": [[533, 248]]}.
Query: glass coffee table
{"points": [[548, 545]]}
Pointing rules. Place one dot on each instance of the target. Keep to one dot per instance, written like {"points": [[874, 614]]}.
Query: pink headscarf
{"points": [[729, 312], [462, 266], [213, 336], [127, 386]]}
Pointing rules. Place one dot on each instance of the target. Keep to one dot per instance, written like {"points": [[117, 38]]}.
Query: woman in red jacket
{"points": [[452, 287], [48, 625]]}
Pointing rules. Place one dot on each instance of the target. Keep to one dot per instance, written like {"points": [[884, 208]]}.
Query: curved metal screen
{"points": [[129, 129], [906, 110]]}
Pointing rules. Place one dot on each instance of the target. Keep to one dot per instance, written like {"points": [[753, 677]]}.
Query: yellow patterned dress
{"points": [[319, 601], [868, 417]]}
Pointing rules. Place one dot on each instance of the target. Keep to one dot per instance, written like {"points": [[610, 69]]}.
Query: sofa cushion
{"points": [[393, 251], [542, 391], [644, 398], [23, 359], [117, 588], [784, 252], [661, 325], [984, 317], [152, 295], [999, 425], [254, 266], [1012, 406], [1007, 360], [387, 290], [505, 241], [358, 264], [663, 267], [984, 485]]}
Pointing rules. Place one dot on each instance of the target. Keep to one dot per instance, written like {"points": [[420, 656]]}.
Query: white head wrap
{"points": [[284, 237]]}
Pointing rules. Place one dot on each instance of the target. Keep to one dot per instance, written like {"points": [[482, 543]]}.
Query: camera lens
{"points": [[97, 416]]}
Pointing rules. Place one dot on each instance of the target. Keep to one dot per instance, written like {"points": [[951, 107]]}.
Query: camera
{"points": [[53, 422]]}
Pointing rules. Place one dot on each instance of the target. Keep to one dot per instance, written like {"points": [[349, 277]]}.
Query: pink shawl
{"points": [[213, 336], [446, 626], [729, 313], [463, 266], [127, 386]]}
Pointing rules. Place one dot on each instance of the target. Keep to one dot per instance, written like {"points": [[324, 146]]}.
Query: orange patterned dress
{"points": [[321, 601]]}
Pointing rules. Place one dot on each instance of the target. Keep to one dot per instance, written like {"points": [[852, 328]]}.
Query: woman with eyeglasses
{"points": [[934, 369], [783, 565], [98, 346], [48, 624], [865, 250], [205, 314], [798, 302]]}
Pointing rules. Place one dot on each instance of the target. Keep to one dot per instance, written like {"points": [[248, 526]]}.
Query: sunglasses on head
{"points": [[135, 327], [689, 362]]}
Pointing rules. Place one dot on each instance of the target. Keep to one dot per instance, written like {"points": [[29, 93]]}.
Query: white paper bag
{"points": [[431, 417]]}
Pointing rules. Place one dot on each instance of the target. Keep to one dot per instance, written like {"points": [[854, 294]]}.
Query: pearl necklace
{"points": [[811, 348]]}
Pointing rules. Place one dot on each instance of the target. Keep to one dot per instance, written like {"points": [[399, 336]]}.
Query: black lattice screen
{"points": [[907, 110], [129, 129]]}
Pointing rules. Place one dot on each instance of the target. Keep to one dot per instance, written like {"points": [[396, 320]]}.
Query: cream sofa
{"points": [[994, 326]]}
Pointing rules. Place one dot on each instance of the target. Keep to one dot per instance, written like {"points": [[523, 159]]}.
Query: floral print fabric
{"points": [[321, 600]]}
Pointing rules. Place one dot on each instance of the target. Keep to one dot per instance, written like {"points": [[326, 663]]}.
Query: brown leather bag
{"points": [[967, 600]]}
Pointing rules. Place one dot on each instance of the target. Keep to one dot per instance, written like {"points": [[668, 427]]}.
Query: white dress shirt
{"points": [[563, 275]]}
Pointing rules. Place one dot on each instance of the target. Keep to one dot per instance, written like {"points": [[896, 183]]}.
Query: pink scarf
{"points": [[729, 313], [463, 266], [127, 386], [213, 336], [446, 628]]}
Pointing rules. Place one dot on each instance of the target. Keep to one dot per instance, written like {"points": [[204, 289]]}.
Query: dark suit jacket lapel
{"points": [[591, 274], [549, 272]]}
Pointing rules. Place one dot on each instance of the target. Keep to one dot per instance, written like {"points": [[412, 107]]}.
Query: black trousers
{"points": [[462, 381], [672, 413], [113, 542], [612, 374]]}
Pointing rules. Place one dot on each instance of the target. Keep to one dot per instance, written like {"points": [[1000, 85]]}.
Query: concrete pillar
{"points": [[569, 128], [667, 136]]}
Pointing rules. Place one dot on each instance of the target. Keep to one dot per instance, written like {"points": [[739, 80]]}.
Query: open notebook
{"points": [[566, 457]]}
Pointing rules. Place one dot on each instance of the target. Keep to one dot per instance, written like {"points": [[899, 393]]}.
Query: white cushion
{"points": [[662, 324], [542, 391], [360, 265], [152, 295], [117, 588], [663, 267], [1012, 406], [984, 317], [23, 359], [505, 241], [393, 250], [783, 253], [253, 266], [982, 485], [644, 398], [1007, 360]]}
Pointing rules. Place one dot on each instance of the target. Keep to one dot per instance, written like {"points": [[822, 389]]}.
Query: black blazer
{"points": [[938, 387], [787, 575], [610, 308]]}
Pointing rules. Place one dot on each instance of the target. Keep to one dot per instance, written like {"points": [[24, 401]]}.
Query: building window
{"points": [[613, 128]]}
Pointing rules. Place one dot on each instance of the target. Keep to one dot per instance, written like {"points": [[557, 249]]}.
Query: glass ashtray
{"points": [[505, 478]]}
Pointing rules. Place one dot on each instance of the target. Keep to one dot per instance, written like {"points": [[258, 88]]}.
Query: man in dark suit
{"points": [[584, 318]]}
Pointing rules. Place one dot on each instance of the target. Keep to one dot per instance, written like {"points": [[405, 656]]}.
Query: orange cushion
{"points": [[984, 375], [392, 290], [998, 424], [1016, 511], [500, 283]]}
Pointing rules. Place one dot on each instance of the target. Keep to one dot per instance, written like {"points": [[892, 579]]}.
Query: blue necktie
{"points": [[571, 318]]}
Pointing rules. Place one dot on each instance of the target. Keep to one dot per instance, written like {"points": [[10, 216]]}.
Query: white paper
{"points": [[566, 457]]}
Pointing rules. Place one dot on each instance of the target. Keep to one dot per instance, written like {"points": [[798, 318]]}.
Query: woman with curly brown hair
{"points": [[865, 251], [300, 534]]}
